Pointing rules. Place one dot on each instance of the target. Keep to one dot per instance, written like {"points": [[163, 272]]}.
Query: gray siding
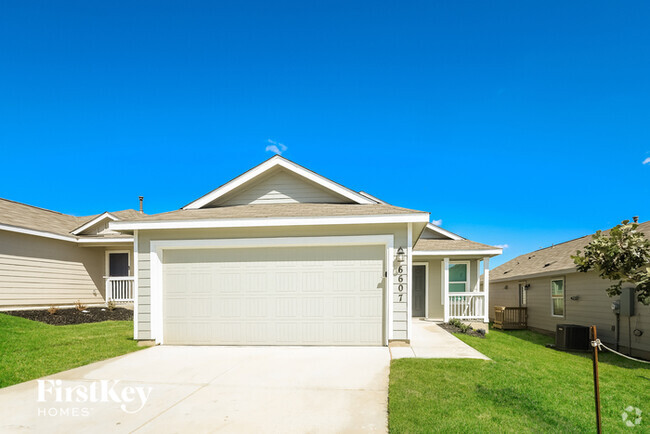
{"points": [[37, 271], [434, 295], [144, 238], [593, 307], [281, 187]]}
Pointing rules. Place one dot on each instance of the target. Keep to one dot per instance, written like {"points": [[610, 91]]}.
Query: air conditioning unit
{"points": [[572, 337]]}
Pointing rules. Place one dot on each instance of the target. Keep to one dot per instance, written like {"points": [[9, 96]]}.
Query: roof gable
{"points": [[433, 232], [279, 180], [95, 225]]}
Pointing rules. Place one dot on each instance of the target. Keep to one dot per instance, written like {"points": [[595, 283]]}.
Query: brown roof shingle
{"points": [[40, 219], [427, 245], [279, 210], [550, 259]]}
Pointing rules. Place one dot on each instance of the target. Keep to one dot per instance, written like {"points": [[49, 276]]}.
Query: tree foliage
{"points": [[622, 255]]}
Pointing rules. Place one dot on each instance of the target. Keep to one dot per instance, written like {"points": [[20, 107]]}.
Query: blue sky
{"points": [[518, 123]]}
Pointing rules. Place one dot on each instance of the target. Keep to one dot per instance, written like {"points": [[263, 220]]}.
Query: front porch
{"points": [[450, 287], [119, 278]]}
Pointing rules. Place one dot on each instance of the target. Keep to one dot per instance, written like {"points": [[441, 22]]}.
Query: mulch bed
{"points": [[453, 329], [73, 316]]}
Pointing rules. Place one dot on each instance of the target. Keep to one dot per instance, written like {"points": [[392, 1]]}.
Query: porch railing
{"points": [[510, 318], [119, 289], [467, 305]]}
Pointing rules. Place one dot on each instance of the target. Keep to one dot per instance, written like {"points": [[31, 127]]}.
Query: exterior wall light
{"points": [[401, 257]]}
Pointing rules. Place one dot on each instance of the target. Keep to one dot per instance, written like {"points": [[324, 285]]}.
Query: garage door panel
{"points": [[274, 296]]}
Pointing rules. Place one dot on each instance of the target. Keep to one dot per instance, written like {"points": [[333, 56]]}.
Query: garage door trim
{"points": [[157, 247]]}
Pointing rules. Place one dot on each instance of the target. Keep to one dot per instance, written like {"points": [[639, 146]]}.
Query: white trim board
{"points": [[136, 292], [273, 162], [458, 252], [270, 221], [93, 222], [157, 247], [444, 232], [104, 240], [37, 233], [70, 239]]}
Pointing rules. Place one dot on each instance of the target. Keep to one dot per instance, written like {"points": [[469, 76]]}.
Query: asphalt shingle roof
{"points": [[279, 210], [432, 245], [40, 219], [551, 259]]}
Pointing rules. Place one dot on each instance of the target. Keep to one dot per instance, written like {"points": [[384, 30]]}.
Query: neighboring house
{"points": [[48, 258], [283, 256], [547, 283]]}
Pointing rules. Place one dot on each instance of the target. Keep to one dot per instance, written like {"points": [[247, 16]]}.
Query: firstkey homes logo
{"points": [[61, 399]]}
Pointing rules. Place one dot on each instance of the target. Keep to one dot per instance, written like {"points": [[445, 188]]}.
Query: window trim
{"points": [[556, 297], [468, 275], [523, 296], [107, 255]]}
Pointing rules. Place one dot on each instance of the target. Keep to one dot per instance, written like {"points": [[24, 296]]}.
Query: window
{"points": [[523, 299], [557, 297], [458, 276]]}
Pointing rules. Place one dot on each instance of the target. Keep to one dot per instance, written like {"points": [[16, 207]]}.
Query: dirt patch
{"points": [[73, 316], [454, 329]]}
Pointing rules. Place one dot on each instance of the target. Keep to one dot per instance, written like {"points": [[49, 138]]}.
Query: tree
{"points": [[622, 255]]}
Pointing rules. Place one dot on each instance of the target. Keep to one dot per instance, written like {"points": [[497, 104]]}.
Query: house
{"points": [[49, 258], [281, 255], [547, 283]]}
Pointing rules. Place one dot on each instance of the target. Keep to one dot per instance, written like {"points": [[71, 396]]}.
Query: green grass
{"points": [[30, 349], [526, 388]]}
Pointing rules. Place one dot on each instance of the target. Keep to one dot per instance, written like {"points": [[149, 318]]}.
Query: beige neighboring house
{"points": [[281, 255], [547, 283], [52, 259]]}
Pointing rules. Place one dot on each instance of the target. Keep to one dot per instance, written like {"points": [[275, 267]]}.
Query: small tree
{"points": [[623, 256]]}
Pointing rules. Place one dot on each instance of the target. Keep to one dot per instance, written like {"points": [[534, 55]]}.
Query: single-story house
{"points": [[52, 259], [279, 255], [547, 283]]}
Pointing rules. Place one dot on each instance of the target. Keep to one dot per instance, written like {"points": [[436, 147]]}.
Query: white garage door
{"points": [[274, 296]]}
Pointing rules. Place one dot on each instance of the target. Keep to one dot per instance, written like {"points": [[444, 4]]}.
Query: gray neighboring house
{"points": [[52, 259], [547, 283], [279, 255]]}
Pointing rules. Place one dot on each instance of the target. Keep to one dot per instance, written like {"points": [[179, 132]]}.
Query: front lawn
{"points": [[526, 388], [30, 349]]}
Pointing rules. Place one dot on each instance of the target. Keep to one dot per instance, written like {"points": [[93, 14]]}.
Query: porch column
{"points": [[445, 288], [486, 288]]}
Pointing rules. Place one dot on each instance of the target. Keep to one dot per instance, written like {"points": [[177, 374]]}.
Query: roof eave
{"points": [[269, 221], [460, 252], [534, 275]]}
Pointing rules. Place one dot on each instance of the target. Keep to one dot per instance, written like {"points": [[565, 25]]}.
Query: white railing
{"points": [[467, 305], [119, 289]]}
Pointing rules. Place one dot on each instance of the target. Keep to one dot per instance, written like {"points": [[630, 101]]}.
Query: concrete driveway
{"points": [[200, 389]]}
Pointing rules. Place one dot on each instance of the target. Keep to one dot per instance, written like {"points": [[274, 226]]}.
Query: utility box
{"points": [[627, 301]]}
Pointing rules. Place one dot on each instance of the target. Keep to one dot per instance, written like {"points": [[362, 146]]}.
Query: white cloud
{"points": [[646, 161], [436, 222], [275, 147], [502, 246]]}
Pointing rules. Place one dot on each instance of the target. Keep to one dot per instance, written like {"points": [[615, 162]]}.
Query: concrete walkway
{"points": [[207, 389], [429, 341]]}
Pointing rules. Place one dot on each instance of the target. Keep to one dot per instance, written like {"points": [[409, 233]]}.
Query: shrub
{"points": [[110, 305], [80, 306], [52, 310]]}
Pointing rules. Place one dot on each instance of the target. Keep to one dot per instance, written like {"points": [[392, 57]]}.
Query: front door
{"points": [[419, 288], [118, 264]]}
